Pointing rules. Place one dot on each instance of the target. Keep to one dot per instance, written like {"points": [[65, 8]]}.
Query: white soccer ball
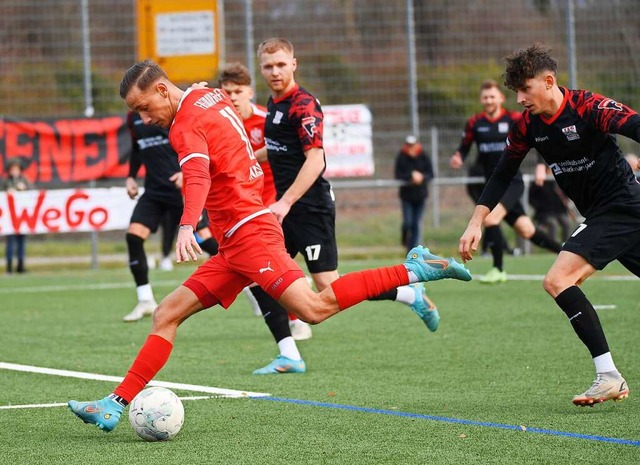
{"points": [[156, 414]]}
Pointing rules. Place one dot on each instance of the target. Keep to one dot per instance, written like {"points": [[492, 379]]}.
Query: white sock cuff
{"points": [[604, 363], [289, 349], [406, 295], [144, 292]]}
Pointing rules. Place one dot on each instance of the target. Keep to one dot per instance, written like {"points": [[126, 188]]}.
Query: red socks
{"points": [[152, 357], [358, 286]]}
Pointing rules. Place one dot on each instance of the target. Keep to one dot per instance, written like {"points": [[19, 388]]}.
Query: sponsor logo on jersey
{"points": [[610, 104], [555, 169], [503, 127], [152, 142], [256, 136], [571, 132], [542, 139], [484, 128], [309, 125], [274, 145], [488, 147], [572, 166], [278, 117]]}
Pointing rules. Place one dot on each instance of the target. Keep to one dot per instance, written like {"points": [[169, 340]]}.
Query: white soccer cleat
{"points": [[607, 386], [300, 331], [143, 308], [166, 264]]}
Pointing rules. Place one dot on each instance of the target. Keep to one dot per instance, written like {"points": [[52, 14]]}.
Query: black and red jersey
{"points": [[294, 125], [151, 148], [490, 136], [578, 145]]}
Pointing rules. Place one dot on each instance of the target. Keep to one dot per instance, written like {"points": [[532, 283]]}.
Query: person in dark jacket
{"points": [[15, 181], [414, 167]]}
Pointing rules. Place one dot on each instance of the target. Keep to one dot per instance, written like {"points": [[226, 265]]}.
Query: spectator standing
{"points": [[16, 181], [414, 167]]}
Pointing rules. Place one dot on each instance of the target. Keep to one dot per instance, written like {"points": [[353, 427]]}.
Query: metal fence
{"points": [[417, 64]]}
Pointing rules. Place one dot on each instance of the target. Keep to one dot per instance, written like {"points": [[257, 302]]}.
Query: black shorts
{"points": [[608, 236], [314, 236], [203, 221], [516, 211], [151, 211]]}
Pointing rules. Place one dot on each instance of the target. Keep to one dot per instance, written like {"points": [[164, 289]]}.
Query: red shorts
{"points": [[254, 253]]}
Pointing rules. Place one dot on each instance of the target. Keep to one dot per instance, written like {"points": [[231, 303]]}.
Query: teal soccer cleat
{"points": [[425, 308], [429, 267], [282, 364], [104, 413]]}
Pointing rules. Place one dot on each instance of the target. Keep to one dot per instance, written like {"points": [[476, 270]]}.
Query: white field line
{"points": [[96, 377], [128, 284], [81, 287], [540, 277], [63, 404]]}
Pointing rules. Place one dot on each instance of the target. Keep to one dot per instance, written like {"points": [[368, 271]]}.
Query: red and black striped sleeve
{"points": [[467, 137], [608, 115]]}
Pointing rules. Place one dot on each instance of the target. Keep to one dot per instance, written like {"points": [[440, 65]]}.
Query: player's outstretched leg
{"points": [[607, 386], [425, 308], [429, 267], [104, 413]]}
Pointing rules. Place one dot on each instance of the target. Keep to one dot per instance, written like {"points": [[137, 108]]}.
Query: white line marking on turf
{"points": [[117, 379], [605, 307], [173, 283], [79, 287], [540, 277], [10, 407]]}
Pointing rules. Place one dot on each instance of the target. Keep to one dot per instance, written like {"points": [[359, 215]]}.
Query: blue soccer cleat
{"points": [[425, 308], [104, 413], [282, 364], [429, 267]]}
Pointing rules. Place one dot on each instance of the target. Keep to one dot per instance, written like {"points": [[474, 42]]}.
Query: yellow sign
{"points": [[182, 37]]}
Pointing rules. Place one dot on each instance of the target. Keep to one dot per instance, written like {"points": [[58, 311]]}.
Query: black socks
{"points": [[137, 259], [274, 314], [584, 320]]}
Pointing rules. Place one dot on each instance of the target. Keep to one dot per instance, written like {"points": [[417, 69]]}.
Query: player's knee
{"points": [[551, 285], [163, 317], [524, 227]]}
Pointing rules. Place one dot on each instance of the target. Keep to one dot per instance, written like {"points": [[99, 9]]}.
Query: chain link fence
{"points": [[417, 65]]}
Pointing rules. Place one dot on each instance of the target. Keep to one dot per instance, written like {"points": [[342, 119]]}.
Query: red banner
{"points": [[63, 152]]}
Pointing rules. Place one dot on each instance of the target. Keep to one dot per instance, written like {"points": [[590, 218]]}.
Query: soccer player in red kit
{"points": [[221, 174]]}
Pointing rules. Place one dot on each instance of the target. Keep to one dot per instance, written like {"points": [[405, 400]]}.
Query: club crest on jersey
{"points": [[609, 104], [571, 132], [309, 125], [256, 136], [278, 117], [503, 127]]}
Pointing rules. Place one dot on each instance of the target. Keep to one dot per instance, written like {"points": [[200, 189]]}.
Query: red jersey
{"points": [[254, 125], [220, 170]]}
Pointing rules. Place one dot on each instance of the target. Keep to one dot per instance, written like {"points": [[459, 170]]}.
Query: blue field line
{"points": [[460, 421]]}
